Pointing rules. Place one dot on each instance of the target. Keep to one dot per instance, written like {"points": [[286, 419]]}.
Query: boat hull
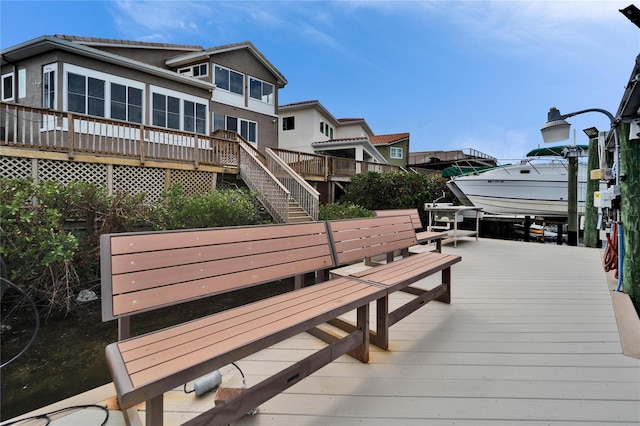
{"points": [[523, 189]]}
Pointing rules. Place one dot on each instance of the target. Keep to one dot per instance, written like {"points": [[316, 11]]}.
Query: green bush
{"points": [[49, 233], [231, 207], [342, 211], [382, 191]]}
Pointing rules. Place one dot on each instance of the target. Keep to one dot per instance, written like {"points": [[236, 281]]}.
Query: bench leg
{"points": [[236, 407], [155, 411], [381, 337], [446, 280], [362, 351], [132, 417]]}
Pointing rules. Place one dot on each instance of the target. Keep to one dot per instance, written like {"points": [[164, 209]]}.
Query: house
{"points": [[393, 147], [309, 127], [179, 87]]}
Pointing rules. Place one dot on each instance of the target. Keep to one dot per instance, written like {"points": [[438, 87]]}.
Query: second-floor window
{"points": [[7, 87], [49, 87], [85, 95], [397, 153], [227, 79], [126, 103], [261, 90], [200, 70], [288, 123]]}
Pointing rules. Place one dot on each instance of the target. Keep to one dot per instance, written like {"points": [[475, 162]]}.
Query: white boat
{"points": [[536, 186]]}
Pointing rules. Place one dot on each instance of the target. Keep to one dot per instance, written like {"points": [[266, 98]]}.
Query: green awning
{"points": [[553, 151]]}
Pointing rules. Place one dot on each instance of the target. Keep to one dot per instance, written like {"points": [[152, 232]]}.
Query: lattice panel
{"points": [[15, 167], [70, 171], [139, 179], [193, 181], [222, 184]]}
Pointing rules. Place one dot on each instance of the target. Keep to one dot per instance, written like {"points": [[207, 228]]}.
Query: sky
{"points": [[454, 74]]}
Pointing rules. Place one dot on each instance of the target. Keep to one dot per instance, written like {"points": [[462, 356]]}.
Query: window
{"points": [[288, 123], [322, 127], [126, 103], [49, 87], [7, 87], [261, 91], [397, 153], [247, 129], [95, 100], [229, 80], [86, 95], [22, 83], [200, 70], [195, 117], [166, 111], [76, 93]]}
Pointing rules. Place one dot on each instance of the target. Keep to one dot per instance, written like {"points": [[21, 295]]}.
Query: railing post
{"points": [[70, 134], [196, 151], [141, 144]]}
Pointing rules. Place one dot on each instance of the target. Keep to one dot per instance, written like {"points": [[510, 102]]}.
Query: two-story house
{"points": [[309, 127], [180, 87]]}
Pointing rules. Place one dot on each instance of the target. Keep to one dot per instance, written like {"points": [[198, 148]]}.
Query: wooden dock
{"points": [[530, 338]]}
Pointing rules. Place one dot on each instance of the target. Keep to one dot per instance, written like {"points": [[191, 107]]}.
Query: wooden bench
{"points": [[356, 239], [421, 236], [146, 271]]}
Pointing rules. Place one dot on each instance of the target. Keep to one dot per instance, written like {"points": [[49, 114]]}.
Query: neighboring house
{"points": [[309, 127], [394, 147], [179, 87]]}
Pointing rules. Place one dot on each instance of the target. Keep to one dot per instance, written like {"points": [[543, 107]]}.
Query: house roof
{"points": [[206, 53], [337, 143], [97, 41], [388, 139], [48, 43], [317, 105]]}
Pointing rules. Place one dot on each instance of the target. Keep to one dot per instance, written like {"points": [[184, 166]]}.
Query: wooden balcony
{"points": [[73, 134]]}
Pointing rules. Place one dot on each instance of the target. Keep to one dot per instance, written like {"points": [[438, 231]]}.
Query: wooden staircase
{"points": [[297, 213]]}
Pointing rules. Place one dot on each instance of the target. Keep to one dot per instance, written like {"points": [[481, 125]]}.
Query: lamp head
{"points": [[556, 128], [591, 132]]}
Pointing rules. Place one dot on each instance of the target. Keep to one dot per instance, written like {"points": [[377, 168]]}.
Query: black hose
{"points": [[5, 282]]}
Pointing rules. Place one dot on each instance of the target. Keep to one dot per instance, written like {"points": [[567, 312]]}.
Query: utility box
{"points": [[602, 199]]}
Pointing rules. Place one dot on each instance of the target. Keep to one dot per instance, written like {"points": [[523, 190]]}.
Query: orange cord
{"points": [[610, 259]]}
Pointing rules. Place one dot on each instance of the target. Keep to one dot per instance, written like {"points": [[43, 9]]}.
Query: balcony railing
{"points": [[48, 130], [321, 166]]}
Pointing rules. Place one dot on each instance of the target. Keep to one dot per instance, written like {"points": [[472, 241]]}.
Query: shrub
{"points": [[342, 211], [230, 207]]}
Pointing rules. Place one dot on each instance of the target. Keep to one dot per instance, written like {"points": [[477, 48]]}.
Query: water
{"points": [[67, 356]]}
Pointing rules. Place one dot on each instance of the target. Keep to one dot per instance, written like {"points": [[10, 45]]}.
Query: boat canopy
{"points": [[553, 151]]}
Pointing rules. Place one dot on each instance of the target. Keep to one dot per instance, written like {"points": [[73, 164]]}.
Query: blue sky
{"points": [[454, 74]]}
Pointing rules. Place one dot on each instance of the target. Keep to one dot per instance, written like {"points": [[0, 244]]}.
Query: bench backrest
{"points": [[357, 239], [413, 213], [145, 271]]}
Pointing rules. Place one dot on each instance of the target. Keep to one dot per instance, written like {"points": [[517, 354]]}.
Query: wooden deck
{"points": [[530, 338]]}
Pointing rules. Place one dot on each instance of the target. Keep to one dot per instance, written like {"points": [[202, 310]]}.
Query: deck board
{"points": [[530, 338]]}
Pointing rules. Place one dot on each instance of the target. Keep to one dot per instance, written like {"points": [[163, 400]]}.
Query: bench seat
{"points": [[155, 362], [424, 238], [145, 271], [383, 237]]}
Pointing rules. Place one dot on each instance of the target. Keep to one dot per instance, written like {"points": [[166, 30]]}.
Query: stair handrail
{"points": [[302, 192], [273, 195]]}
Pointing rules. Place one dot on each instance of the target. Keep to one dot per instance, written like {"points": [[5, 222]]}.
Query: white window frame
{"points": [[182, 97], [46, 70], [22, 83], [107, 78], [270, 98], [7, 76], [396, 150], [239, 122], [190, 71], [229, 71]]}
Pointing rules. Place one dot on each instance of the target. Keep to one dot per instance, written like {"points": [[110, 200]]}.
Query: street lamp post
{"points": [[557, 129]]}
